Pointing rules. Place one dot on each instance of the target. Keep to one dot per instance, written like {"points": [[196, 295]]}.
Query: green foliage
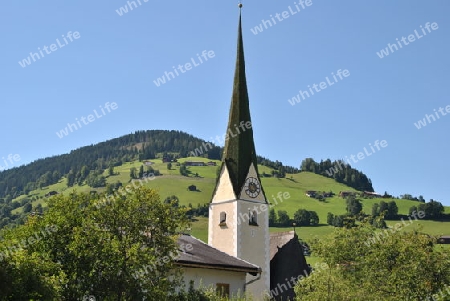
{"points": [[172, 200], [401, 266], [432, 209], [111, 188], [95, 179], [353, 206], [377, 222], [304, 217], [30, 277], [101, 251], [344, 220], [375, 209], [408, 196], [283, 218], [111, 170], [141, 171], [201, 210], [412, 209], [272, 217], [280, 172], [330, 218], [27, 207], [278, 166], [388, 210], [392, 210], [184, 170], [71, 179], [383, 207], [134, 173]]}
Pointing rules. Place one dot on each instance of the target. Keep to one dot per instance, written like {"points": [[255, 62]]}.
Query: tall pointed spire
{"points": [[239, 151]]}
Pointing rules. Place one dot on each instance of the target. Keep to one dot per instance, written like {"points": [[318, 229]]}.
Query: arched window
{"points": [[253, 221], [223, 218]]}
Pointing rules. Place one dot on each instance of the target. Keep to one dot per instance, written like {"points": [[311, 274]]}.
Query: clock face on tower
{"points": [[252, 187]]}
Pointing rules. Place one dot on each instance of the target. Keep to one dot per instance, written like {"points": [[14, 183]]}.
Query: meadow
{"points": [[204, 178]]}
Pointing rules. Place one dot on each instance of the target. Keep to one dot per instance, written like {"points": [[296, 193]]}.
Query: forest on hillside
{"points": [[339, 170]]}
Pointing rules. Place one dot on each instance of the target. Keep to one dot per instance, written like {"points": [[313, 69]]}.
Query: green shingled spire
{"points": [[239, 151]]}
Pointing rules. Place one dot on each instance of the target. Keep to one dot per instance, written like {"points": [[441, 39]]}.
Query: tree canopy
{"points": [[400, 266], [339, 170], [103, 251]]}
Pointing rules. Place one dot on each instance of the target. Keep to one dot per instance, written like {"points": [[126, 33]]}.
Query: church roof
{"points": [[279, 240], [239, 151], [202, 255]]}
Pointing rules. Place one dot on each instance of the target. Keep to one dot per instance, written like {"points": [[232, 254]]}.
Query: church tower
{"points": [[238, 212]]}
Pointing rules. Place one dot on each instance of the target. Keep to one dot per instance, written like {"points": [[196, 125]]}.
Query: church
{"points": [[241, 254]]}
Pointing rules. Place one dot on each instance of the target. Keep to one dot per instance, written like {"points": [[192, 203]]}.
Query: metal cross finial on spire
{"points": [[240, 5]]}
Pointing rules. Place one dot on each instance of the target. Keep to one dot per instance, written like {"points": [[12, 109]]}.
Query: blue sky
{"points": [[116, 59]]}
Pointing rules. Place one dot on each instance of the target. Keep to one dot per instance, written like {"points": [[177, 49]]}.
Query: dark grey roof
{"points": [[278, 240], [206, 256]]}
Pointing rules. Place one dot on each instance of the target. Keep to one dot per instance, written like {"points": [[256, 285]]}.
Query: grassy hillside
{"points": [[172, 183]]}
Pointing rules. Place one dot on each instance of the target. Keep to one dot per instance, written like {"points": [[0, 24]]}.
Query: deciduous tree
{"points": [[112, 252], [400, 266]]}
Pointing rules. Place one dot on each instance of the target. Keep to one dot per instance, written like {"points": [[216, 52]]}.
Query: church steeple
{"points": [[239, 151], [238, 213]]}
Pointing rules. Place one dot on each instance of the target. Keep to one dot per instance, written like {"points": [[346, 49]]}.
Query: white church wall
{"points": [[222, 236], [209, 278]]}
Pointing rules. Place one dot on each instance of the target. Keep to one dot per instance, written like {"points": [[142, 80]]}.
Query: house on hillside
{"points": [[51, 193], [311, 193], [371, 194]]}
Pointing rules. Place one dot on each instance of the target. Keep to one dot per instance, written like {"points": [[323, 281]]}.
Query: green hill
{"points": [[204, 178], [24, 189]]}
